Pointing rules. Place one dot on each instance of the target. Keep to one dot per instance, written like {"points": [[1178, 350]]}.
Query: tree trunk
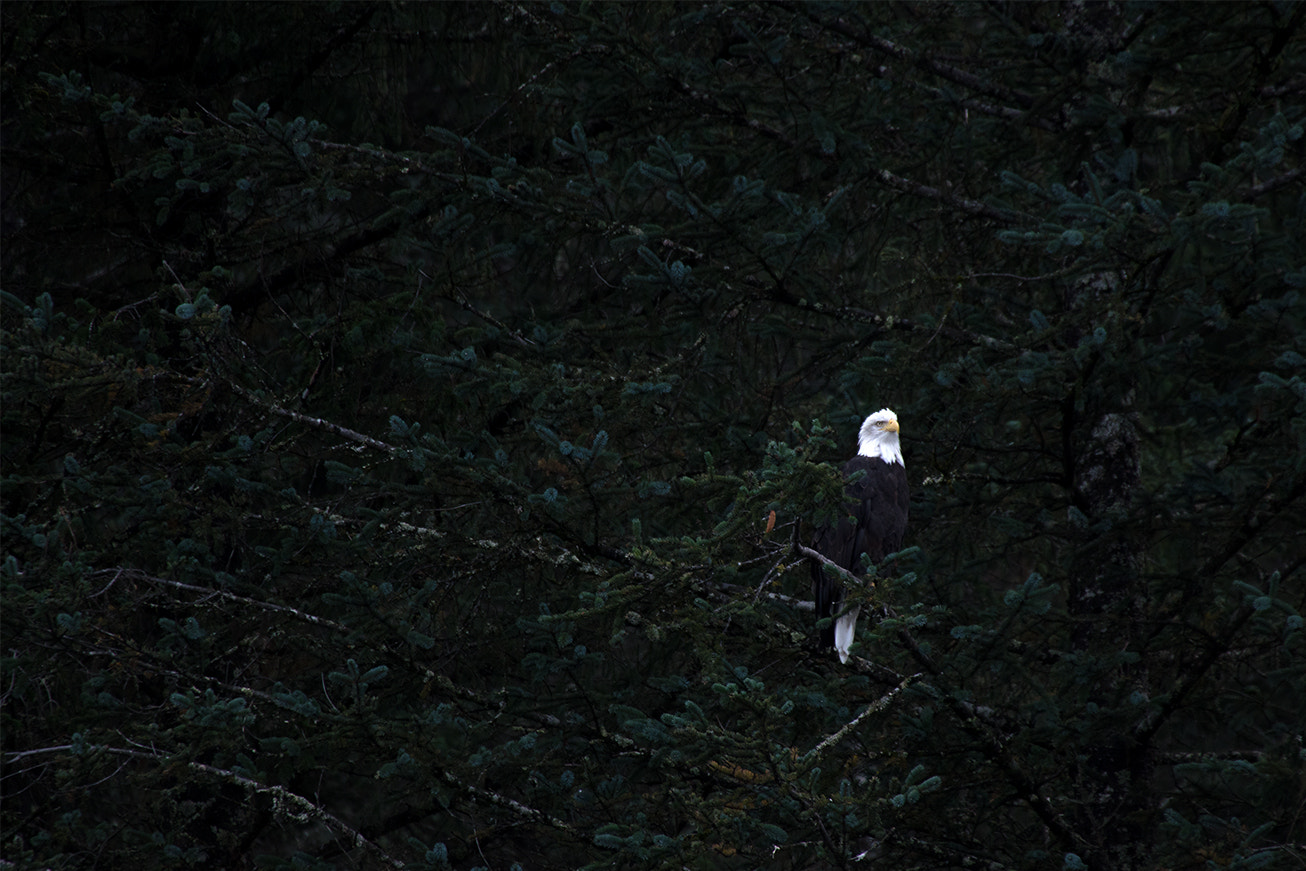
{"points": [[1107, 601]]}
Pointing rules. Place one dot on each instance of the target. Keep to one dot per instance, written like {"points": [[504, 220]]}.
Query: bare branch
{"points": [[513, 805], [969, 206], [282, 798], [816, 555], [1274, 184], [874, 707], [485, 316], [317, 422], [951, 73], [136, 574]]}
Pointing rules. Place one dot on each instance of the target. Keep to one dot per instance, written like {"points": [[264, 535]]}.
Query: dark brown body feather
{"points": [[874, 522]]}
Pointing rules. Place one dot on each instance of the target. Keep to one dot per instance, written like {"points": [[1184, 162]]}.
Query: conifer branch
{"points": [[1193, 676], [513, 805], [999, 752], [284, 801], [996, 744], [461, 299], [209, 592], [829, 563], [874, 707], [969, 206], [316, 422], [1274, 184], [897, 182], [951, 73]]}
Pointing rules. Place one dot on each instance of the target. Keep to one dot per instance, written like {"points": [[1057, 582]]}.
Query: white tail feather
{"points": [[844, 628]]}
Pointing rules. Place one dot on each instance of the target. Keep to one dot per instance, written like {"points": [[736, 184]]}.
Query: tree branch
{"points": [[995, 743], [969, 206], [316, 422], [281, 797], [513, 805], [825, 561], [874, 707], [136, 574], [956, 75]]}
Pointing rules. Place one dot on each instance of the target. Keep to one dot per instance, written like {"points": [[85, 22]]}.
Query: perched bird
{"points": [[873, 522]]}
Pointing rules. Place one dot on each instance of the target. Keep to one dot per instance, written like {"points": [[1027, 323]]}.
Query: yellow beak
{"points": [[891, 426]]}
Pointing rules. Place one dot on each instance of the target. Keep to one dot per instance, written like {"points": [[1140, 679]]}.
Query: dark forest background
{"points": [[411, 413]]}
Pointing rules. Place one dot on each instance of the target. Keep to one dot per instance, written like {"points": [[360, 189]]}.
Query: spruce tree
{"points": [[413, 418]]}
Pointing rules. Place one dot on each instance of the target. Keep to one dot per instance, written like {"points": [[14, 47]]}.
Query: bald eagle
{"points": [[874, 520]]}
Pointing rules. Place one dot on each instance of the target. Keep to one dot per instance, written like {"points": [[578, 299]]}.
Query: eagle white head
{"points": [[879, 437]]}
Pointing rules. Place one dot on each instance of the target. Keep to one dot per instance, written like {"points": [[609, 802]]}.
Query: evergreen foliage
{"points": [[413, 414]]}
